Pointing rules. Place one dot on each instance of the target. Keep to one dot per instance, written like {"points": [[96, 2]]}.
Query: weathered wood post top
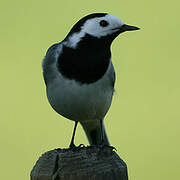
{"points": [[87, 163]]}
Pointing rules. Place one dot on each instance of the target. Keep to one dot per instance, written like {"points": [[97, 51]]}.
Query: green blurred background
{"points": [[144, 119]]}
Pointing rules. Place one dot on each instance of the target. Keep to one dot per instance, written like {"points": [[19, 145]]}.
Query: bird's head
{"points": [[98, 26]]}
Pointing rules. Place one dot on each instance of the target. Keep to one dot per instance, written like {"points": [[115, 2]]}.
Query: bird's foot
{"points": [[73, 147], [103, 146], [108, 146]]}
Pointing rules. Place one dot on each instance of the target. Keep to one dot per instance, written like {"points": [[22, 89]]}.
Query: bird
{"points": [[80, 77]]}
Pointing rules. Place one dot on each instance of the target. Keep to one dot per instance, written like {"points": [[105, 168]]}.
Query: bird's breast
{"points": [[80, 102], [85, 65]]}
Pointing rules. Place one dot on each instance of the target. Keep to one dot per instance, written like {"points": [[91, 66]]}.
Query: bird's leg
{"points": [[102, 133], [72, 145], [103, 143]]}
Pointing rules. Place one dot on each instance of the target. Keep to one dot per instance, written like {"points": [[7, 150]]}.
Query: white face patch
{"points": [[93, 27]]}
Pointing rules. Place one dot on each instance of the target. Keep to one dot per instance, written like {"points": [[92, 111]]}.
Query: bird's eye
{"points": [[103, 23]]}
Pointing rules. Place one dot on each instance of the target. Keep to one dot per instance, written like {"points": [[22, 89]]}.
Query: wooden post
{"points": [[88, 163]]}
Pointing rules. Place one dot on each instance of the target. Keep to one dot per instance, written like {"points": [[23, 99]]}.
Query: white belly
{"points": [[79, 102]]}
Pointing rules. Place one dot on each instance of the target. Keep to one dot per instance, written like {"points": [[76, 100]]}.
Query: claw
{"points": [[111, 147], [102, 146], [73, 147]]}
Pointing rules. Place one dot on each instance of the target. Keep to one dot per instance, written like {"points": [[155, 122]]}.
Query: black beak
{"points": [[126, 27], [120, 30]]}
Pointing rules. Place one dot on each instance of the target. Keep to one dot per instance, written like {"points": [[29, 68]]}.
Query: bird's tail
{"points": [[93, 132]]}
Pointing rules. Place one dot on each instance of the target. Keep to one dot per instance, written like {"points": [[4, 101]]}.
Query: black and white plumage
{"points": [[79, 74]]}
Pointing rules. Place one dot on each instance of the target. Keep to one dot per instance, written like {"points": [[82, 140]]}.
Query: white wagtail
{"points": [[80, 76]]}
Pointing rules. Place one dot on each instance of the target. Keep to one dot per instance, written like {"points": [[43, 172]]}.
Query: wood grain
{"points": [[87, 163]]}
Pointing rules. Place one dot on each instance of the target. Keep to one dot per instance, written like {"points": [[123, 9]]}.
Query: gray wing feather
{"points": [[48, 61], [113, 79], [112, 76]]}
